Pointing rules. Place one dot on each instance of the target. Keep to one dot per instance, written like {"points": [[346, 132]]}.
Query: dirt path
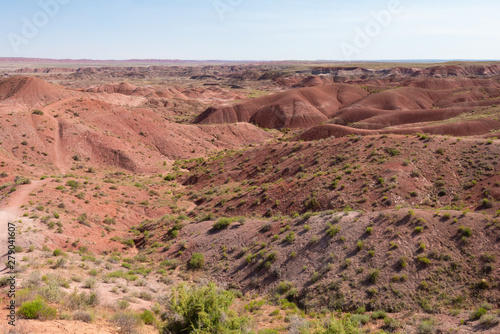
{"points": [[10, 211], [59, 161], [57, 147]]}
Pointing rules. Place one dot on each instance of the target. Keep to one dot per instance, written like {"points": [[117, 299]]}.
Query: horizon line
{"points": [[245, 61]]}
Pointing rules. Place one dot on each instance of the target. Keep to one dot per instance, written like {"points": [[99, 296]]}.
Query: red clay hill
{"points": [[297, 108], [371, 105], [57, 127]]}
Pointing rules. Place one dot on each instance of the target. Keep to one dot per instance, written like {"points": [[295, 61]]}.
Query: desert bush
{"points": [[51, 292], [284, 287], [222, 223], [37, 309], [379, 315], [91, 283], [344, 326], [426, 327], [486, 203], [465, 231], [84, 316], [360, 319], [127, 323], [373, 275], [147, 317], [57, 252], [75, 300], [333, 230], [122, 304], [203, 309], [489, 320], [197, 261], [477, 314]]}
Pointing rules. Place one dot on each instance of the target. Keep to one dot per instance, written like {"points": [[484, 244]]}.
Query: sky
{"points": [[251, 29]]}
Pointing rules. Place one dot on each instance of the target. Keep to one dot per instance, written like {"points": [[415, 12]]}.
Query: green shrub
{"points": [[147, 317], [489, 320], [486, 203], [284, 287], [426, 327], [57, 252], [37, 112], [477, 314], [84, 316], [379, 315], [37, 309], [197, 261], [290, 237], [204, 309], [128, 323], [373, 275], [340, 326], [222, 223], [360, 319], [465, 231], [333, 230], [392, 151]]}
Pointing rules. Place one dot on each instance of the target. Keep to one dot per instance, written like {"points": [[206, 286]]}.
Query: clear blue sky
{"points": [[252, 29]]}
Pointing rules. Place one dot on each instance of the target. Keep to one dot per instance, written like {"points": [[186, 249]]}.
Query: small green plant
{"points": [[419, 229], [477, 314], [374, 275], [379, 315], [465, 231], [57, 252], [197, 261], [37, 309], [147, 317], [333, 230], [222, 223], [486, 203]]}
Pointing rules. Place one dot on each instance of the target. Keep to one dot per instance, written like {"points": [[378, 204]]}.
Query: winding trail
{"points": [[57, 146], [10, 211]]}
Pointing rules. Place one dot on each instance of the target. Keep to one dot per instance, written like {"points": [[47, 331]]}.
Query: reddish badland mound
{"points": [[406, 98], [440, 84], [197, 93], [314, 80], [102, 134], [25, 93], [466, 128], [378, 119], [297, 108], [121, 88]]}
